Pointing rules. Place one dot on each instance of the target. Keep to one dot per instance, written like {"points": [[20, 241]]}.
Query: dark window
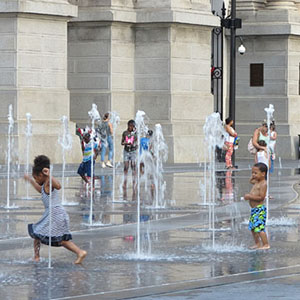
{"points": [[256, 74]]}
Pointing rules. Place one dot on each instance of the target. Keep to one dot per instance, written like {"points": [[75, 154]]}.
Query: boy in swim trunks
{"points": [[256, 199]]}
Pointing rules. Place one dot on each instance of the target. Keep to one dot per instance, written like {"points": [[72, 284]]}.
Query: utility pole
{"points": [[232, 23]]}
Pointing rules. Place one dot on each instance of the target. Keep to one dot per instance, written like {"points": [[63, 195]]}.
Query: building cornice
{"points": [[60, 8]]}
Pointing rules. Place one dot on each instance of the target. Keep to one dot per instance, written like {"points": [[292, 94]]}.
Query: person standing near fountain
{"points": [[272, 144], [229, 142], [84, 169], [256, 199], [60, 234], [106, 132], [262, 155], [144, 146], [147, 157], [260, 134], [129, 141]]}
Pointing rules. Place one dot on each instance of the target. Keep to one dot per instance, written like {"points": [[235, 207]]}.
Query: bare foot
{"points": [[254, 247], [36, 259], [80, 257], [265, 247]]}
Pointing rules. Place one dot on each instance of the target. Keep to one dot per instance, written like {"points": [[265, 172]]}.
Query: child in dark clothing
{"points": [[129, 141]]}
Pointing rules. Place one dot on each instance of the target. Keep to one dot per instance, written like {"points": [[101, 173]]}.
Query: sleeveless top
{"points": [[131, 139], [56, 201], [230, 138], [261, 158], [87, 153], [108, 133], [272, 143], [59, 221], [263, 138], [106, 128]]}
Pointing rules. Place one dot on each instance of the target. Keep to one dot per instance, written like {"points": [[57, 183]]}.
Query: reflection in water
{"points": [[106, 183], [256, 262], [225, 185], [174, 255]]}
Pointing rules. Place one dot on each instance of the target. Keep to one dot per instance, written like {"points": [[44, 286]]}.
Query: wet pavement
{"points": [[181, 256]]}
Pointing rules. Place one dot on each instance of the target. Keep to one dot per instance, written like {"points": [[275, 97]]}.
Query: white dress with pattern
{"points": [[59, 221]]}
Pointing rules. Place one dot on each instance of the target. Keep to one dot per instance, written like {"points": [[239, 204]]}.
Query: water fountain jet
{"points": [[65, 140], [28, 134], [160, 150], [141, 129], [94, 115], [115, 121], [214, 137], [9, 149]]}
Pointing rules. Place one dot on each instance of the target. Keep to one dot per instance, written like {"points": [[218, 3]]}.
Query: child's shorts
{"points": [[129, 156], [257, 221], [85, 168]]}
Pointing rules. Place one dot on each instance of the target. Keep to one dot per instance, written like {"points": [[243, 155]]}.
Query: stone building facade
{"points": [[58, 57], [271, 33], [33, 75], [144, 55]]}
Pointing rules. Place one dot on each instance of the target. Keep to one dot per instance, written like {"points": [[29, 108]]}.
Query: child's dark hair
{"points": [[272, 125], [262, 143], [86, 135], [263, 168], [40, 162], [228, 120], [150, 132], [106, 116], [131, 122]]}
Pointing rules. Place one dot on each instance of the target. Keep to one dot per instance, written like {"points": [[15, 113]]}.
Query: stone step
{"points": [[248, 128]]}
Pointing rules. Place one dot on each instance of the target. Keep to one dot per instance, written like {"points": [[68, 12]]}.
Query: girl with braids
{"points": [[60, 234]]}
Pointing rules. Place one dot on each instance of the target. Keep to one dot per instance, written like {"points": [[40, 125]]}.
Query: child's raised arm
{"points": [[252, 180], [255, 158], [82, 146], [33, 183], [123, 140], [55, 183]]}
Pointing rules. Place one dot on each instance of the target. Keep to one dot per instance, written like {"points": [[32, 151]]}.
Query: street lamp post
{"points": [[232, 23], [232, 80]]}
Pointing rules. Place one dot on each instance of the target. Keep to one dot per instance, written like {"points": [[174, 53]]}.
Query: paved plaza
{"points": [[181, 257]]}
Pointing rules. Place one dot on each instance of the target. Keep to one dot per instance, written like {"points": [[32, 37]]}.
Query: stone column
{"points": [[191, 100], [281, 4], [142, 45], [33, 73], [250, 5]]}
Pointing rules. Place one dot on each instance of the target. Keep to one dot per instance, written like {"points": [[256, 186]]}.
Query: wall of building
{"points": [[190, 86], [89, 68], [33, 76], [294, 84], [148, 69], [123, 51], [270, 39]]}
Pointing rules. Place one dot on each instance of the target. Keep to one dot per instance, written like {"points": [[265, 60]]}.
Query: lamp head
{"points": [[242, 49]]}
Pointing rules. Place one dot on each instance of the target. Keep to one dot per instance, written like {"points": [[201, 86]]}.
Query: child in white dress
{"points": [[60, 234]]}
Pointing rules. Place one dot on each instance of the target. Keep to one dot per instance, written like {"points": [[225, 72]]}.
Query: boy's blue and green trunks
{"points": [[257, 219]]}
